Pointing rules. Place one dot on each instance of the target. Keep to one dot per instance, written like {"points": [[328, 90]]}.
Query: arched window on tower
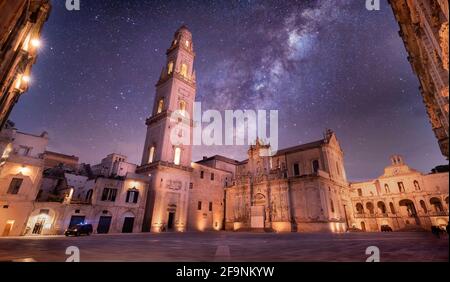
{"points": [[186, 43], [151, 154], [160, 106], [170, 68], [182, 107], [184, 70], [177, 156]]}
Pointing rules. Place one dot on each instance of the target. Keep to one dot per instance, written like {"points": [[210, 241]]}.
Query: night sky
{"points": [[322, 64]]}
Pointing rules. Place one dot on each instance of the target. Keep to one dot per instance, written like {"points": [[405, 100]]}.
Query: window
{"points": [[401, 187], [191, 185], [109, 194], [151, 154], [170, 68], [296, 170], [160, 106], [187, 43], [202, 174], [132, 196], [199, 206], [332, 205], [177, 157], [212, 176], [184, 70], [315, 165], [386, 188], [416, 185], [14, 186], [359, 192], [89, 195], [337, 169], [24, 151], [210, 206]]}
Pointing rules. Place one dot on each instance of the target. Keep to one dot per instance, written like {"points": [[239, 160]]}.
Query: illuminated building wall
{"points": [[21, 22], [424, 30]]}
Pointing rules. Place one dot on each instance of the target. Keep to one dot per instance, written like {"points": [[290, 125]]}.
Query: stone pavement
{"points": [[229, 246]]}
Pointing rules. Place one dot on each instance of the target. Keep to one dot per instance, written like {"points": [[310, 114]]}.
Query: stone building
{"points": [[402, 198], [35, 200], [20, 177], [424, 30], [297, 189], [21, 22]]}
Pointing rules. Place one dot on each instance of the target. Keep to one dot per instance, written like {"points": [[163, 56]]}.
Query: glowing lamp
{"points": [[23, 170], [36, 43]]}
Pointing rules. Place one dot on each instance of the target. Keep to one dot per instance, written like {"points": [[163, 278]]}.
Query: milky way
{"points": [[321, 64]]}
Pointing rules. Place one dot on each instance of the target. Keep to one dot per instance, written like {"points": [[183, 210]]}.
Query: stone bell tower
{"points": [[173, 105], [167, 151]]}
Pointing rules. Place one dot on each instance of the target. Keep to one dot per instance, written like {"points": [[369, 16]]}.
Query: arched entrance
{"points": [[370, 207], [359, 208], [408, 209], [437, 204], [40, 222], [381, 207]]}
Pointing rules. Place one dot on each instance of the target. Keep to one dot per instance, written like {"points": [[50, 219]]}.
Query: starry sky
{"points": [[321, 64]]}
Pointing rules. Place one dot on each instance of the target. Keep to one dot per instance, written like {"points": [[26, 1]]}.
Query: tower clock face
{"points": [[396, 171]]}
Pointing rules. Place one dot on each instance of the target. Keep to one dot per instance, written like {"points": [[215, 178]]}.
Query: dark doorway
{"points": [[103, 224], [128, 225], [171, 221], [76, 219], [363, 226]]}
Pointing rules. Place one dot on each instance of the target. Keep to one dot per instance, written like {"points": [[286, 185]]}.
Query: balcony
{"points": [[439, 213], [80, 202]]}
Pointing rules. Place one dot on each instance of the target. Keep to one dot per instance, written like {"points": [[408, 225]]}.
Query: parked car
{"points": [[79, 229], [386, 228]]}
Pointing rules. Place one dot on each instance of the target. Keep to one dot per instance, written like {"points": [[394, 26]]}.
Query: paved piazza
{"points": [[228, 246]]}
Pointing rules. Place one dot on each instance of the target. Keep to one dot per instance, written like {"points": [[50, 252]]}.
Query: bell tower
{"points": [[169, 129], [167, 153]]}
